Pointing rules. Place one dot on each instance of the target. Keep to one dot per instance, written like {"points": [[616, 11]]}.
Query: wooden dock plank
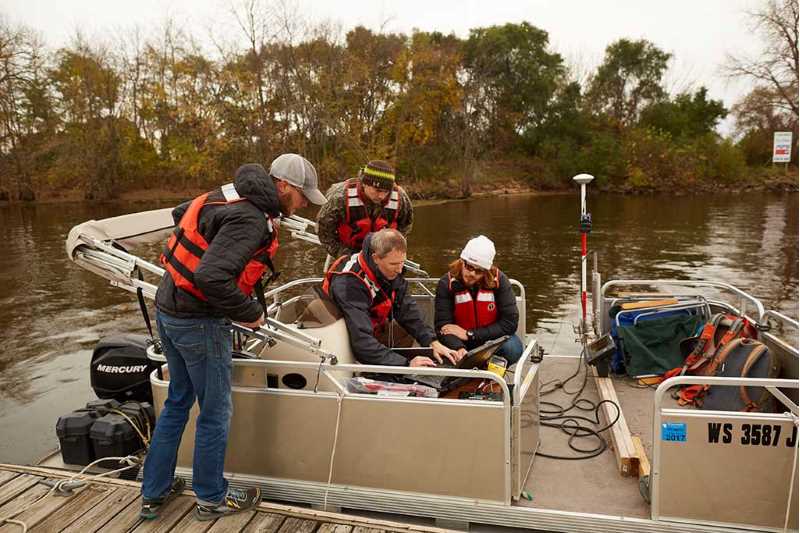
{"points": [[111, 505], [335, 528], [298, 525], [190, 524], [6, 475], [170, 514], [73, 509], [125, 520], [105, 510], [22, 507], [17, 486], [232, 523], [265, 523]]}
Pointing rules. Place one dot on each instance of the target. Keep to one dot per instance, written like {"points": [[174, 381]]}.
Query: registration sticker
{"points": [[673, 432]]}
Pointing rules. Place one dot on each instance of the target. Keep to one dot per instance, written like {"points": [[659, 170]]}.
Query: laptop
{"points": [[475, 358]]}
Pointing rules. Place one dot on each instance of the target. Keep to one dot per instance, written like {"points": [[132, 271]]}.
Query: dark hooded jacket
{"points": [[354, 299], [234, 232]]}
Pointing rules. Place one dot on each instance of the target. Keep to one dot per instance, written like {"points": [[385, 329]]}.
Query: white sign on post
{"points": [[782, 147]]}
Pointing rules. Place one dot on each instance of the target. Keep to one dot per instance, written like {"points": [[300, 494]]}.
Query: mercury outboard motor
{"points": [[120, 368]]}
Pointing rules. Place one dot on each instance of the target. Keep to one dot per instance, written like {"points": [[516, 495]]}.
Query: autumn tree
{"points": [[517, 75], [25, 109], [87, 84], [687, 116], [429, 97], [773, 104], [629, 79]]}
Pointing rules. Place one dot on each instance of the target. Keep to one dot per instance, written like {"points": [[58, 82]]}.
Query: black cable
{"points": [[570, 424]]}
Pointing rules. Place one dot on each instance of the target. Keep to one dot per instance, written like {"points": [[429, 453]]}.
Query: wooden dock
{"points": [[111, 505]]}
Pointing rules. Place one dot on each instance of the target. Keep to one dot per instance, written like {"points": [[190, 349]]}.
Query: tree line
{"points": [[158, 111]]}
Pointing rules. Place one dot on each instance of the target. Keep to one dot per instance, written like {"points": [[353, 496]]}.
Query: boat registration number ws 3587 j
{"points": [[751, 434]]}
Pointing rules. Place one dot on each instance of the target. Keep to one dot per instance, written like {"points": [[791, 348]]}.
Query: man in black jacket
{"points": [[223, 243], [371, 291]]}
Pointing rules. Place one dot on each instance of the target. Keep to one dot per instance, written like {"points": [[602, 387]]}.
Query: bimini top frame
{"points": [[99, 246]]}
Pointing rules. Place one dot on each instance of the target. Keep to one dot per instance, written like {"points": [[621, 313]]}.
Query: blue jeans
{"points": [[511, 349], [198, 352]]}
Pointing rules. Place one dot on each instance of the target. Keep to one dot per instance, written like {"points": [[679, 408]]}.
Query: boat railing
{"points": [[746, 302], [299, 227], [783, 322], [327, 366], [329, 371], [660, 412]]}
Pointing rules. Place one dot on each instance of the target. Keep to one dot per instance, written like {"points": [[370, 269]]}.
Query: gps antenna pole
{"points": [[585, 227]]}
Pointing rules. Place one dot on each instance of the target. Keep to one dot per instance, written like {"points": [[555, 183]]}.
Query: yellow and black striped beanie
{"points": [[378, 174]]}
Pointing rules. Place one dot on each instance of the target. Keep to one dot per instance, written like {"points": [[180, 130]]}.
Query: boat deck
{"points": [[589, 485], [110, 505]]}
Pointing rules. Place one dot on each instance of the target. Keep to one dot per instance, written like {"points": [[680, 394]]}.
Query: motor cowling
{"points": [[120, 368]]}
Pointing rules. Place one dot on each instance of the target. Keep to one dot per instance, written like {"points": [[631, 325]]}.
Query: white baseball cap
{"points": [[298, 171], [479, 252]]}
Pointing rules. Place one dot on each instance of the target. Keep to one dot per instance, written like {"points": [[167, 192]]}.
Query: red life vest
{"points": [[186, 246], [355, 265], [472, 313], [357, 223]]}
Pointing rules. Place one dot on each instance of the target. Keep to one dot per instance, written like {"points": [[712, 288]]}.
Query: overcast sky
{"points": [[699, 33]]}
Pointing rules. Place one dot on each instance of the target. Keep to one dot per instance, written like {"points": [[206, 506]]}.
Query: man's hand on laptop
{"points": [[440, 350], [421, 361], [454, 329], [460, 353]]}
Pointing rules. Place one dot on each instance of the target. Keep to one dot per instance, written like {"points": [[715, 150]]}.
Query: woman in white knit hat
{"points": [[475, 303]]}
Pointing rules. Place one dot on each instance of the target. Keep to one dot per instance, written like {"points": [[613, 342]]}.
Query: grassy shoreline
{"points": [[435, 192]]}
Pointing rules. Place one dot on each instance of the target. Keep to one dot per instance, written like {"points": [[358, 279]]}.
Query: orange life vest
{"points": [[186, 246], [472, 313], [357, 223], [355, 265]]}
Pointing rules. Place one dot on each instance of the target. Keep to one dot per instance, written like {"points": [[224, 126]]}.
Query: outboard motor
{"points": [[120, 368]]}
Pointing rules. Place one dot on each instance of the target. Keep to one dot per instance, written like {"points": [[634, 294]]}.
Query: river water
{"points": [[52, 312]]}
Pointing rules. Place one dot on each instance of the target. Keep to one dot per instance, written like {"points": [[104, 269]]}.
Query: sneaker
{"points": [[235, 501], [151, 508]]}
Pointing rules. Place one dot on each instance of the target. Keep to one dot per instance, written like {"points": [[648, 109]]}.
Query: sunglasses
{"points": [[474, 269]]}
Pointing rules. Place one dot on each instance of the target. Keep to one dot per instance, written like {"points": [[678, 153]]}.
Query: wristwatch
{"points": [[470, 335]]}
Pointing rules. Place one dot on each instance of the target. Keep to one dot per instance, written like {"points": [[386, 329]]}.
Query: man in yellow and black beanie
{"points": [[358, 206]]}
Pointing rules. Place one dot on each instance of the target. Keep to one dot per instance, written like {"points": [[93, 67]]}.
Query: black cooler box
{"points": [[73, 430], [113, 436]]}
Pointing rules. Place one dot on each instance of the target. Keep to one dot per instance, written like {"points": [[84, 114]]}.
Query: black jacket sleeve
{"points": [[443, 314], [235, 242], [507, 313], [353, 299], [407, 315]]}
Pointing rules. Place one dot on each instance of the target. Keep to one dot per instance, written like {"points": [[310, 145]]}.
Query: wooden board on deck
{"points": [[621, 441], [110, 505], [644, 463]]}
